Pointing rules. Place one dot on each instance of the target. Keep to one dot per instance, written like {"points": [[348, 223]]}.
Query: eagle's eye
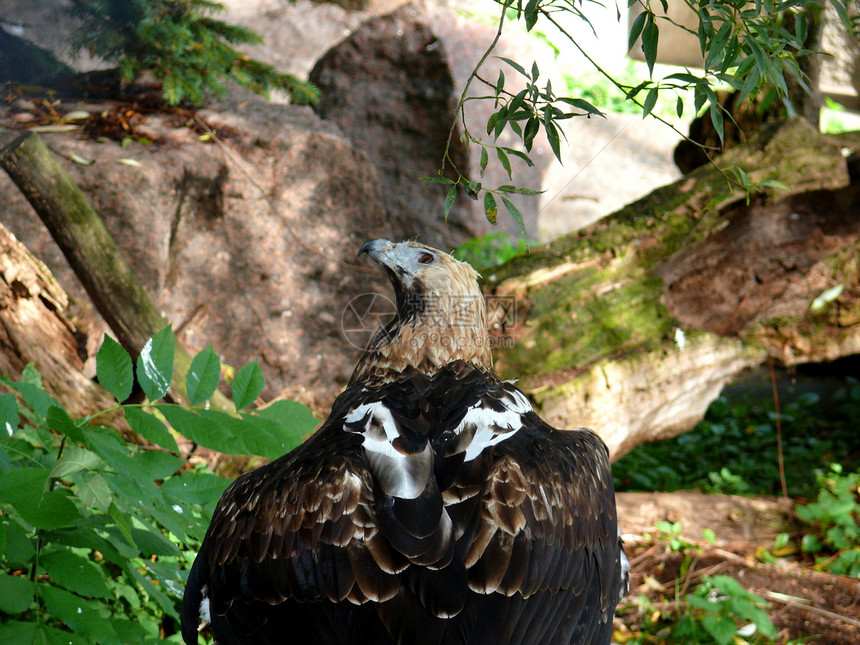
{"points": [[426, 258]]}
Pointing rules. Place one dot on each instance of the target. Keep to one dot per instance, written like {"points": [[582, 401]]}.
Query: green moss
{"points": [[589, 314], [603, 299]]}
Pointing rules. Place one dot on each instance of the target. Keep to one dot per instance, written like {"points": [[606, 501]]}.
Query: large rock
{"points": [[389, 89], [248, 244]]}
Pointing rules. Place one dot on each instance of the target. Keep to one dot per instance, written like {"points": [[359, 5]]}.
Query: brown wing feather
{"points": [[276, 530], [548, 516]]}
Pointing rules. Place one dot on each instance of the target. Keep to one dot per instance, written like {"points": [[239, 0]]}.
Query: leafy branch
{"points": [[751, 48], [97, 532], [182, 45]]}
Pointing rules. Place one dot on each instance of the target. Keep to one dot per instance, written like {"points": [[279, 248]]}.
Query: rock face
{"points": [[249, 244], [389, 89]]}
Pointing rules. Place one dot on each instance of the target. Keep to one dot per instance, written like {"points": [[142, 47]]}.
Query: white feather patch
{"points": [[493, 427], [625, 572], [399, 474], [205, 615]]}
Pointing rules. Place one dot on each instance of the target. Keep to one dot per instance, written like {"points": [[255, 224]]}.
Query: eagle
{"points": [[432, 507]]}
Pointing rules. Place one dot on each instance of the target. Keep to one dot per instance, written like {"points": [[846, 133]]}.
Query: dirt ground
{"points": [[803, 603]]}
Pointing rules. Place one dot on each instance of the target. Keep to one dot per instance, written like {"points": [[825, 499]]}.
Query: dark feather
{"points": [[516, 544]]}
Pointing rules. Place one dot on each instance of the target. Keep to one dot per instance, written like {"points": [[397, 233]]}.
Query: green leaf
{"points": [[826, 297], [650, 38], [122, 522], [582, 104], [33, 395], [491, 211], [810, 543], [155, 364], [152, 542], [717, 46], [503, 159], [484, 159], [16, 593], [531, 129], [514, 64], [196, 487], [721, 627], [531, 13], [158, 464], [150, 428], [717, 119], [74, 460], [520, 154], [26, 490], [96, 493], [203, 375], [438, 180], [114, 369], [515, 213], [79, 614], [75, 573], [19, 549], [8, 414], [31, 375], [449, 200], [552, 137], [249, 381], [194, 428], [636, 29], [58, 419], [516, 102], [650, 102]]}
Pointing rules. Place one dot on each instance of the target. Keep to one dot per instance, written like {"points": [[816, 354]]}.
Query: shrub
{"points": [[97, 532], [182, 45]]}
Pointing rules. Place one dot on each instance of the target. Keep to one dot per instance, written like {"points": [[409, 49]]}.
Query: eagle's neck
{"points": [[427, 335]]}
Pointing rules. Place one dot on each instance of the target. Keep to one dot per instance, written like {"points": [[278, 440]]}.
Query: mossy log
{"points": [[95, 258], [633, 325]]}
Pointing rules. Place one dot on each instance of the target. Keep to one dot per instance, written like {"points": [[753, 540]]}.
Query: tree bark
{"points": [[632, 326], [91, 252], [35, 327]]}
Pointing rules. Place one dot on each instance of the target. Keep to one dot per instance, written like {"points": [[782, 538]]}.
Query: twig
{"points": [[461, 103], [778, 429], [811, 608]]}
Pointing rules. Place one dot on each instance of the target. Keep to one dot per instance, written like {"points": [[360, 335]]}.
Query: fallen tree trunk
{"points": [[91, 252], [35, 327], [633, 325]]}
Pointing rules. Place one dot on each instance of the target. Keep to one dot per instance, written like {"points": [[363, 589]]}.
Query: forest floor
{"points": [[803, 603]]}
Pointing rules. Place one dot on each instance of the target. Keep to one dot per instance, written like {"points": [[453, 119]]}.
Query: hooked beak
{"points": [[375, 249]]}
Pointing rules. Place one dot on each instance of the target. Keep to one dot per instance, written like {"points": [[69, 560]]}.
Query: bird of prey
{"points": [[432, 507]]}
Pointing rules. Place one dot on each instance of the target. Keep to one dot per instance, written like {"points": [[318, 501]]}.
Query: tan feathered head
{"points": [[441, 316]]}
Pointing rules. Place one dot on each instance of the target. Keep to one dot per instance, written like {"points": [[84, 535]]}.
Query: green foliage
{"points": [[718, 605], [604, 94], [718, 610], [734, 449], [490, 250], [835, 516], [97, 532], [182, 45], [751, 48]]}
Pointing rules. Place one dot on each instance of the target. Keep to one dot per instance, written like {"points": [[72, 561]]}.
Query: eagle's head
{"points": [[440, 317]]}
